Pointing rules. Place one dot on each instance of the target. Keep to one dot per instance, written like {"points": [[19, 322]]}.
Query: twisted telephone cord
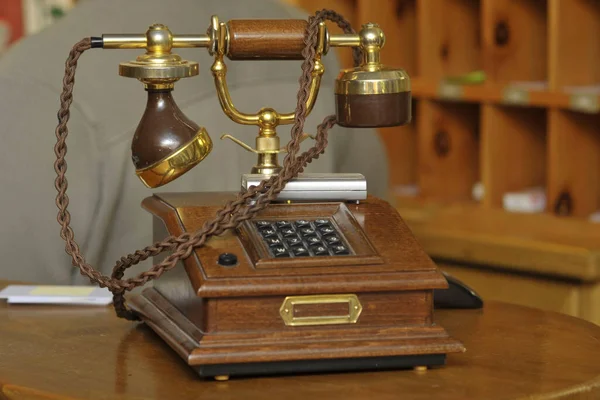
{"points": [[229, 217]]}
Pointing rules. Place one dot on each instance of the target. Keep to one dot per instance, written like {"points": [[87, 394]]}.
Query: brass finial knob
{"points": [[371, 36], [158, 68], [159, 39]]}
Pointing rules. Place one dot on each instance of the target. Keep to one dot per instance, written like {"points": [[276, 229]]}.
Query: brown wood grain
{"points": [[522, 56], [214, 314], [574, 54], [258, 314], [449, 38], [448, 170], [373, 223], [86, 352], [266, 39]]}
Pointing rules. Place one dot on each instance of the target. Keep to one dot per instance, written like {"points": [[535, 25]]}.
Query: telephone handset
{"points": [[297, 272]]}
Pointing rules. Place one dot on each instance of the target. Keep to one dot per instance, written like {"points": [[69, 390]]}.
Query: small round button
{"points": [[227, 259]]}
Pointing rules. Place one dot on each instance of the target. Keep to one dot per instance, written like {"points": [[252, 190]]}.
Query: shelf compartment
{"points": [[514, 40], [574, 47], [449, 38], [401, 145], [574, 164], [398, 19], [448, 150], [513, 151]]}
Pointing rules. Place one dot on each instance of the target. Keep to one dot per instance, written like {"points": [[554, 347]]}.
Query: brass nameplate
{"points": [[289, 309]]}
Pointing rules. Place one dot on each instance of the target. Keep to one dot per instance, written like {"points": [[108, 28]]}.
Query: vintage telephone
{"points": [[297, 272]]}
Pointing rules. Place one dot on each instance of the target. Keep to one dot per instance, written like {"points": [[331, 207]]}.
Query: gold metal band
{"points": [[144, 70], [178, 163], [363, 81]]}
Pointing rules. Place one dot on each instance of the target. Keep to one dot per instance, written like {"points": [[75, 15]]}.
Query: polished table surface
{"points": [[54, 352]]}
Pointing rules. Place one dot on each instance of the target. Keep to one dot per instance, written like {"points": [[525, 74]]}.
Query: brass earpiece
{"points": [[372, 95], [166, 143]]}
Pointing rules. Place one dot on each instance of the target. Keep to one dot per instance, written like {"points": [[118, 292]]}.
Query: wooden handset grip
{"points": [[266, 39]]}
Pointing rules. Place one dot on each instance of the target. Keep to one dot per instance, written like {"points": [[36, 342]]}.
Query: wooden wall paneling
{"points": [[513, 150], [448, 34], [574, 48], [574, 163], [448, 149], [514, 40], [401, 146]]}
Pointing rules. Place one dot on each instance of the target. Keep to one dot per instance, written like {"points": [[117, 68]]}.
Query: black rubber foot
{"points": [[319, 366]]}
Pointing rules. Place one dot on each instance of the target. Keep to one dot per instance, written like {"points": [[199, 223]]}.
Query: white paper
{"points": [[532, 200], [52, 294]]}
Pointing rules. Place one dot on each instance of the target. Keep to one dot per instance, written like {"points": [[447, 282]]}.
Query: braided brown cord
{"points": [[229, 217]]}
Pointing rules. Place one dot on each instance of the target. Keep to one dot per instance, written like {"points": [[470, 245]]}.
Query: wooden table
{"points": [[513, 352]]}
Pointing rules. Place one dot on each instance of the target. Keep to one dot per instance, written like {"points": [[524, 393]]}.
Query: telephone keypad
{"points": [[302, 238]]}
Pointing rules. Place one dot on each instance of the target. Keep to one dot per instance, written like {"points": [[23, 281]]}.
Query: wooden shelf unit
{"points": [[506, 93], [529, 122]]}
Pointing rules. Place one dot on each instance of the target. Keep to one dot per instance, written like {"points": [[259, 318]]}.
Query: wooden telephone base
{"points": [[361, 299]]}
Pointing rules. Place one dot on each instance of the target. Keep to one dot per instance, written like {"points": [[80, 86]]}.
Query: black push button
{"points": [[293, 241], [288, 232], [227, 259], [280, 251], [300, 251], [302, 223], [313, 240], [307, 231], [332, 239], [273, 241], [340, 249], [283, 224], [268, 232], [326, 230], [263, 224], [321, 222], [319, 250]]}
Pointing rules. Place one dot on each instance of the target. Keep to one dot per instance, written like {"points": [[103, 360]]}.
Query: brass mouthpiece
{"points": [[166, 143]]}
